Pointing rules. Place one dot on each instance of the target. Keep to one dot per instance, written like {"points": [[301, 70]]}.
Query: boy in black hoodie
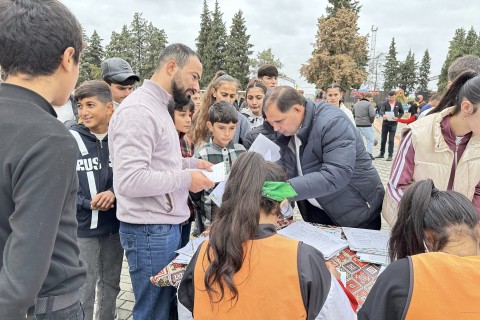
{"points": [[98, 226]]}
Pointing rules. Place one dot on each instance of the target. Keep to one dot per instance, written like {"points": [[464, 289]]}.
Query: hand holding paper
{"points": [[218, 173]]}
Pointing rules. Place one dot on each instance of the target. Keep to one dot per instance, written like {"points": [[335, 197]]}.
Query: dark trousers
{"points": [[74, 312], [388, 128], [313, 214]]}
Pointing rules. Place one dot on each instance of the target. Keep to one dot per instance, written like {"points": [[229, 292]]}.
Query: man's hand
{"points": [[395, 118], [205, 165], [200, 181], [103, 201]]}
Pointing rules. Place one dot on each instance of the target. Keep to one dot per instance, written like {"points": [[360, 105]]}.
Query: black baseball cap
{"points": [[117, 70]]}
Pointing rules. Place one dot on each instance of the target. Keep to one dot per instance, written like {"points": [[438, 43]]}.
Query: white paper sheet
{"points": [[218, 174], [368, 241], [322, 240], [186, 253], [390, 115], [263, 145], [217, 193], [373, 258]]}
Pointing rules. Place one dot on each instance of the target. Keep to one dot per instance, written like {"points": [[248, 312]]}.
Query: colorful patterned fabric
{"points": [[360, 279], [186, 146]]}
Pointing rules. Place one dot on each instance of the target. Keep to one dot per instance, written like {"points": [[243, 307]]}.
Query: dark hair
{"points": [[35, 34], [267, 70], [284, 97], [127, 82], [256, 83], [465, 86], [178, 52], [94, 88], [237, 220], [462, 64], [222, 112], [391, 93], [334, 86], [199, 130], [173, 106], [423, 207]]}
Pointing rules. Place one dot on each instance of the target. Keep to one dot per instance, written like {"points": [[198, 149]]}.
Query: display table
{"points": [[360, 276]]}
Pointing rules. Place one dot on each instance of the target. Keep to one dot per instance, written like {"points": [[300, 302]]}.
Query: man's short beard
{"points": [[179, 94]]}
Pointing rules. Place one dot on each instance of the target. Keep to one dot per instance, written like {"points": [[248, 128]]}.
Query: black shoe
{"points": [[380, 156], [389, 158], [371, 157]]}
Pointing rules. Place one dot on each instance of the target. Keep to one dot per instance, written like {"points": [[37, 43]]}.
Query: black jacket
{"points": [[337, 171], [39, 255], [94, 172], [397, 110]]}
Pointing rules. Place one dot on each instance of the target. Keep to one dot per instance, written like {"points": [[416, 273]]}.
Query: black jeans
{"points": [[388, 128], [74, 312]]}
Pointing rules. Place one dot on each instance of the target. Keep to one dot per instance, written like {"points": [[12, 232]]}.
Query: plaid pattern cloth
{"points": [[186, 146], [204, 208]]}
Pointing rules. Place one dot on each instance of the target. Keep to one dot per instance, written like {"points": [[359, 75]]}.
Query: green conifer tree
{"points": [[424, 72], [201, 41], [120, 45], [408, 73], [391, 68], [214, 55], [337, 4], [238, 50], [455, 50]]}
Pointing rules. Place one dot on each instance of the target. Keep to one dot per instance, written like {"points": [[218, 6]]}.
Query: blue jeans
{"points": [[103, 256], [149, 248], [367, 132]]}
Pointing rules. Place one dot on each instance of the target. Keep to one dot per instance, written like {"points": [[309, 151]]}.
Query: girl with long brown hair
{"points": [[246, 270]]}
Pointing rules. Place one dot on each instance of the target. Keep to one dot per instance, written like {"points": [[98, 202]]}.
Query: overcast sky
{"points": [[289, 27]]}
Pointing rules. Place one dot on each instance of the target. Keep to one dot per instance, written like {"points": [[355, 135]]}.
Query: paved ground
{"points": [[126, 299]]}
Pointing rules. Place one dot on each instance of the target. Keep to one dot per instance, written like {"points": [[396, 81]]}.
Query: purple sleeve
{"points": [[476, 198], [401, 174]]}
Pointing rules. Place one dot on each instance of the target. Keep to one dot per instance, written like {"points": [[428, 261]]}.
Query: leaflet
{"points": [[322, 240]]}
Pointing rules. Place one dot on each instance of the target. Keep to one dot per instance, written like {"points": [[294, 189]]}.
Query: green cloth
{"points": [[278, 191]]}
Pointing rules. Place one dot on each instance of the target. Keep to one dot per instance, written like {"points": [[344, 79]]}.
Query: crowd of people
{"points": [[123, 173]]}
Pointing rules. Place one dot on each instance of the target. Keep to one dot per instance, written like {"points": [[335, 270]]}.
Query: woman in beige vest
{"points": [[443, 146]]}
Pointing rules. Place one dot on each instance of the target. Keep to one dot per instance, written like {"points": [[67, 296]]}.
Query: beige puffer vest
{"points": [[434, 160]]}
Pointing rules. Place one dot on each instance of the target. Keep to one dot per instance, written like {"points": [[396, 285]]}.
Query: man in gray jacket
{"points": [[326, 161], [364, 114]]}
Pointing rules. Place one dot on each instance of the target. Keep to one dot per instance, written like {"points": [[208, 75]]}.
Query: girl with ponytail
{"points": [[434, 248], [432, 220], [246, 270], [444, 147]]}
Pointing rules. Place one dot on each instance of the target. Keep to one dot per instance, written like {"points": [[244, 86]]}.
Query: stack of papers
{"points": [[327, 243], [186, 253], [371, 245]]}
